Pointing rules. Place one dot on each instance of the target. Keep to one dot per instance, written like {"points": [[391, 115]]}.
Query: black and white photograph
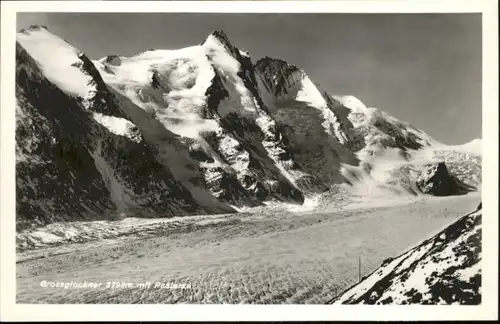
{"points": [[262, 158]]}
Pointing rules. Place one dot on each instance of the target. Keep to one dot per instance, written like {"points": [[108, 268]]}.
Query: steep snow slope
{"points": [[230, 133], [380, 130], [318, 133], [204, 94], [445, 269], [397, 155], [58, 63], [77, 155], [365, 147], [254, 128], [473, 147]]}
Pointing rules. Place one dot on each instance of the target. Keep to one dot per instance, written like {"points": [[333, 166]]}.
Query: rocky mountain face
{"points": [[445, 269], [80, 158], [319, 135], [196, 130]]}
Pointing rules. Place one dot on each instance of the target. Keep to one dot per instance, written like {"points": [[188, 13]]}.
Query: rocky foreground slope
{"points": [[445, 269], [202, 130]]}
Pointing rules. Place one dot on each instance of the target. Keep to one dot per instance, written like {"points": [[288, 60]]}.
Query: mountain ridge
{"points": [[230, 133]]}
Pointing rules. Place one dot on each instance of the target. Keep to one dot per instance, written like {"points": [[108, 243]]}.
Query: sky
{"points": [[424, 69]]}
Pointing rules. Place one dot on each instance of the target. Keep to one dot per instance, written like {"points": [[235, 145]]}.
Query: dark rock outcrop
{"points": [[113, 60], [319, 136], [275, 74], [437, 181], [261, 168]]}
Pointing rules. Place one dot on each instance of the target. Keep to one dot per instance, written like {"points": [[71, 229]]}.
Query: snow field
{"points": [[241, 258], [58, 63]]}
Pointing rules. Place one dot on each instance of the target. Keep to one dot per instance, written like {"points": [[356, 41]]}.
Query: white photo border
{"points": [[10, 311]]}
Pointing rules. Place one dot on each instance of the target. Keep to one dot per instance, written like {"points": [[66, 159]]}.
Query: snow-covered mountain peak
{"points": [[249, 133], [57, 59], [221, 36], [474, 146], [353, 103], [475, 142], [33, 28], [382, 130]]}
